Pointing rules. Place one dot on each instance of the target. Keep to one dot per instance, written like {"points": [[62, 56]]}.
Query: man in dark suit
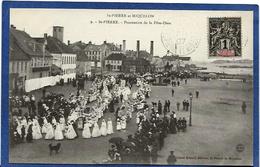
{"points": [[171, 158]]}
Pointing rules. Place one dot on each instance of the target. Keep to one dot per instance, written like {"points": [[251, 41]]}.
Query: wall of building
{"points": [[115, 65], [57, 59], [22, 69], [68, 65]]}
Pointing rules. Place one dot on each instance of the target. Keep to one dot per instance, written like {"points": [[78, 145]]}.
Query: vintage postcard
{"points": [[124, 85]]}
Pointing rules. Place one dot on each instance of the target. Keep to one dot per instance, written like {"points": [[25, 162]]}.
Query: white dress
{"points": [[53, 121], [103, 128], [45, 125], [36, 130], [50, 132], [109, 127], [123, 124], [70, 133], [96, 131], [118, 125], [137, 119], [86, 131], [62, 123], [58, 135]]}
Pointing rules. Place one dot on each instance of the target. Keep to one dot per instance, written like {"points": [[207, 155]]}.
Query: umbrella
{"points": [[116, 140]]}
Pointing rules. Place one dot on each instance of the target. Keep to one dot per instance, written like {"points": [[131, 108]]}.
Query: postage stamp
{"points": [[225, 37]]}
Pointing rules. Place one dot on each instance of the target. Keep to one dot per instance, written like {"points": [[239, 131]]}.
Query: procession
{"points": [[55, 118]]}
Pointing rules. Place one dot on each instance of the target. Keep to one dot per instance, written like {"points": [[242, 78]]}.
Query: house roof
{"points": [[184, 58], [110, 46], [92, 47], [77, 46], [116, 56], [142, 54], [55, 46], [22, 46], [15, 52]]}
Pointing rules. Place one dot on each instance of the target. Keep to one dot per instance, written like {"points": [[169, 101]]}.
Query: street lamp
{"points": [[190, 107]]}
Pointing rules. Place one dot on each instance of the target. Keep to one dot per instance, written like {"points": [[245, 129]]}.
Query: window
{"points": [[21, 66], [41, 75], [25, 67], [17, 70], [25, 77], [13, 66], [10, 67]]}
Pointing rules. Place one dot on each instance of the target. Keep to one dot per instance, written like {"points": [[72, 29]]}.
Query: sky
{"points": [[187, 27]]}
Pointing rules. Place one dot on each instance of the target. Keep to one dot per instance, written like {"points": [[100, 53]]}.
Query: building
{"points": [[63, 56], [141, 53], [83, 64], [28, 59], [95, 55], [136, 65], [173, 62], [114, 62], [158, 64]]}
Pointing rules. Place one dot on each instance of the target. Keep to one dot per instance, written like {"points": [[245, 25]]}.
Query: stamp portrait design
{"points": [[224, 37]]}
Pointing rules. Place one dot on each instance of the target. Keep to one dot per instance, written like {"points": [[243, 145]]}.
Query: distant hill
{"points": [[233, 61]]}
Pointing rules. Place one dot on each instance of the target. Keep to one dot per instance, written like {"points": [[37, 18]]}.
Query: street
{"points": [[218, 125]]}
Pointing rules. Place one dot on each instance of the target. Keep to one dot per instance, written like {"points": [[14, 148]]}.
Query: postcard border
{"points": [[7, 5]]}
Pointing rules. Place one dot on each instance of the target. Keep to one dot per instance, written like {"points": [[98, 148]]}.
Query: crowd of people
{"points": [[59, 118], [153, 125], [55, 117]]}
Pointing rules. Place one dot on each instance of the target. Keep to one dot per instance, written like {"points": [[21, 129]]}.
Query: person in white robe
{"points": [[86, 131], [58, 135], [53, 121], [50, 132], [96, 131], [45, 125], [123, 123], [62, 123], [109, 126], [36, 130], [118, 124], [24, 122], [138, 118], [70, 132], [103, 128]]}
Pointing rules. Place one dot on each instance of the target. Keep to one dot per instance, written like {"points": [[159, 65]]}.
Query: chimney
{"points": [[68, 42], [45, 38], [58, 32], [151, 48], [137, 48], [120, 47], [124, 45], [105, 42]]}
